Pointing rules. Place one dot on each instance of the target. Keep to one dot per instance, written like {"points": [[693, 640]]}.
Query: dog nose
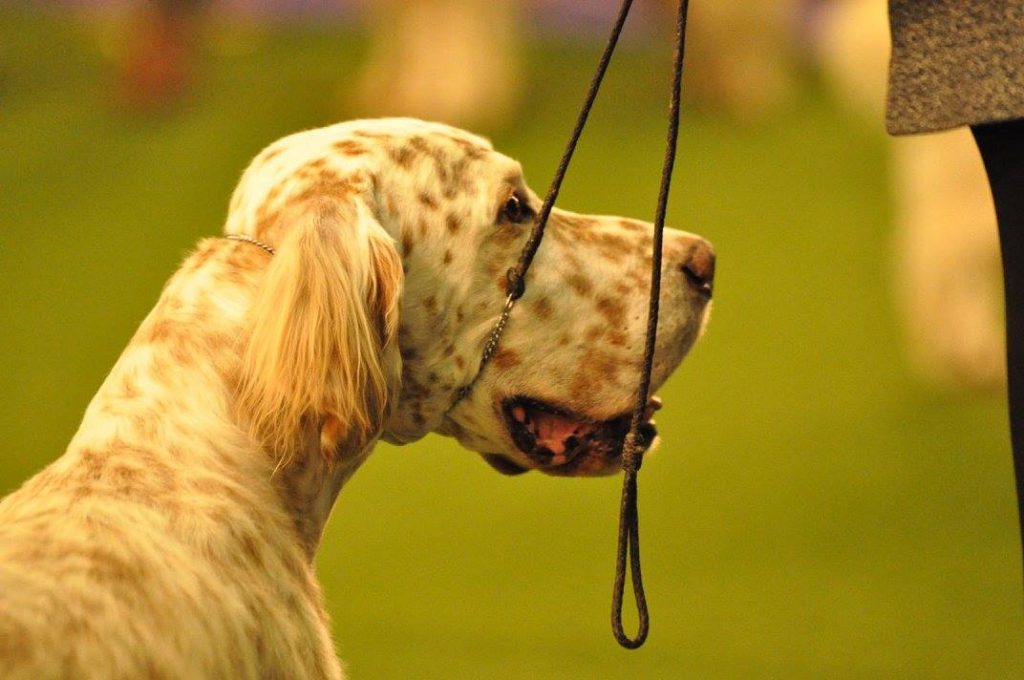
{"points": [[699, 267]]}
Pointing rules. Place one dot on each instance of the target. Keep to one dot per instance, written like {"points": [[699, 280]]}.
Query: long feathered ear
{"points": [[322, 344]]}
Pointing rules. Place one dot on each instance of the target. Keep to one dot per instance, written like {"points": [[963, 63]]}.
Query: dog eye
{"points": [[516, 210]]}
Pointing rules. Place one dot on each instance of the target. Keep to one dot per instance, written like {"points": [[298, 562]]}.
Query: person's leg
{"points": [[1002, 150]]}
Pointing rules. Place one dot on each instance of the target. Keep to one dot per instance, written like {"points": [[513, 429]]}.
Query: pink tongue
{"points": [[552, 430]]}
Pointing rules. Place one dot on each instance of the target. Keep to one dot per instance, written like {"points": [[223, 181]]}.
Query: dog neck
{"points": [[168, 408], [309, 484]]}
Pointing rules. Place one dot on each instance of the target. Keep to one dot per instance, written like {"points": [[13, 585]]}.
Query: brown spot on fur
{"points": [[542, 306], [575, 228], [90, 458], [452, 222], [447, 259], [444, 176], [145, 425], [471, 150], [325, 185], [593, 333], [179, 352], [557, 235], [505, 359], [161, 330], [403, 156], [579, 283], [240, 260], [452, 176], [598, 368], [612, 246], [266, 223], [128, 388], [406, 244], [574, 262], [606, 365], [271, 154], [123, 475], [581, 388], [430, 303], [421, 145], [460, 166], [460, 363], [639, 278], [618, 338], [413, 392], [614, 311], [252, 548], [428, 201], [200, 257], [350, 148]]}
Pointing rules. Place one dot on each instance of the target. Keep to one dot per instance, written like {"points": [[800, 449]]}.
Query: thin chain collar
{"points": [[250, 239]]}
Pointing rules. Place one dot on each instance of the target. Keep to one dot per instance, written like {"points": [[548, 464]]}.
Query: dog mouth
{"points": [[559, 441]]}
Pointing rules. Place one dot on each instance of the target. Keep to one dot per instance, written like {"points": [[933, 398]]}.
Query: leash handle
{"points": [[629, 547], [629, 524]]}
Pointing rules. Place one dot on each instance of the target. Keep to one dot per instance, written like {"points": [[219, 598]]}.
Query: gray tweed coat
{"points": [[955, 62]]}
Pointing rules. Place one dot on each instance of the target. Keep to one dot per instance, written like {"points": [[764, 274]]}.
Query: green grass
{"points": [[814, 512]]}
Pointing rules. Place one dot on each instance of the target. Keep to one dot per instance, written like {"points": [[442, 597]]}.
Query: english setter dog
{"points": [[175, 536]]}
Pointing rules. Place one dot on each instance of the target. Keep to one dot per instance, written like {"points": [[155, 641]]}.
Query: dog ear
{"points": [[322, 344]]}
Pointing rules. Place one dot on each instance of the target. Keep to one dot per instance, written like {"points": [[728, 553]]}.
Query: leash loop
{"points": [[629, 524], [628, 544]]}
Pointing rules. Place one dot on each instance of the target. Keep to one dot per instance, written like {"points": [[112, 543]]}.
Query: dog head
{"points": [[394, 238]]}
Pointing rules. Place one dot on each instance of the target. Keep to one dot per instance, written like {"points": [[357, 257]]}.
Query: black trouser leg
{"points": [[1002, 150]]}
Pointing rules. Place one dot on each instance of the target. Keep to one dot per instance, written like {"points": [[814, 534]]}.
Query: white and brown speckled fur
{"points": [[175, 536]]}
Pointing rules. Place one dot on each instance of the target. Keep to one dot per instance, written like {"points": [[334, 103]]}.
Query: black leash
{"points": [[629, 527], [629, 531]]}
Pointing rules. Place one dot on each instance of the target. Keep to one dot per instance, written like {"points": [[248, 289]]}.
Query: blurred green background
{"points": [[814, 511]]}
